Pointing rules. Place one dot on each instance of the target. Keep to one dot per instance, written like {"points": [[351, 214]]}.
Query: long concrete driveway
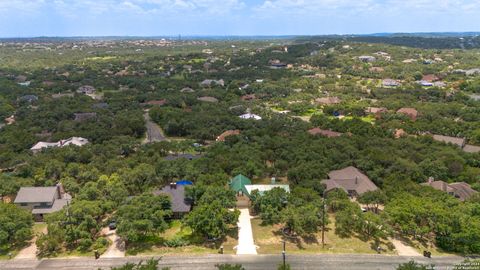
{"points": [[246, 245], [117, 246], [403, 249]]}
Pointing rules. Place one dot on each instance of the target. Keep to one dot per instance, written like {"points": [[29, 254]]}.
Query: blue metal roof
{"points": [[184, 183]]}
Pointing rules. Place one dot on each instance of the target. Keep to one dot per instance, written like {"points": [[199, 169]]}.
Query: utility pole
{"points": [[284, 254], [69, 222], [323, 220]]}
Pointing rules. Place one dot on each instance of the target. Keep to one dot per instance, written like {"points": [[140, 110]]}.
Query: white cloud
{"points": [[78, 8], [20, 6], [367, 6]]}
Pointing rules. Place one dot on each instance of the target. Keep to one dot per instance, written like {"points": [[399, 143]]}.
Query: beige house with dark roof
{"points": [[471, 148], [42, 200], [460, 190], [207, 99], [351, 180], [447, 139], [410, 112], [328, 100], [460, 142]]}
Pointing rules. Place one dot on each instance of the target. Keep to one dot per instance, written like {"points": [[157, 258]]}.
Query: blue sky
{"points": [[28, 18]]}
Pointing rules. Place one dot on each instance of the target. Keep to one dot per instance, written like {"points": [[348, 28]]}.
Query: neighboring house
{"points": [[101, 105], [460, 190], [28, 98], [184, 183], [425, 83], [184, 156], [376, 110], [159, 102], [21, 78], [25, 83], [409, 61], [328, 100], [264, 188], [376, 69], [78, 141], [248, 97], [208, 83], [82, 117], [473, 71], [42, 200], [278, 65], [430, 78], [349, 179], [208, 99], [221, 137], [324, 132], [367, 58], [238, 184], [86, 90], [460, 142], [439, 84], [390, 83], [42, 145], [250, 116], [410, 112], [187, 90], [471, 148], [181, 205], [62, 95]]}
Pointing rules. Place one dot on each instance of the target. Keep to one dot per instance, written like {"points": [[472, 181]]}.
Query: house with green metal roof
{"points": [[238, 184]]}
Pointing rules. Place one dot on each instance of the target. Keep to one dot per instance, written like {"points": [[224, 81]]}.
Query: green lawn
{"points": [[269, 239], [367, 119], [156, 245], [4, 256], [39, 228]]}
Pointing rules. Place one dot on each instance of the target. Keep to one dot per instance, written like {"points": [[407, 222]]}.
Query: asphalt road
{"points": [[154, 132], [250, 262]]}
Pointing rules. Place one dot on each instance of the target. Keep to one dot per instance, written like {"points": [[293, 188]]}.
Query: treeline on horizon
{"points": [[434, 40]]}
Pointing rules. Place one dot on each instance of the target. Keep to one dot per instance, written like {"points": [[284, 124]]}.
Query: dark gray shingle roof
{"points": [[349, 178], [177, 195], [36, 194]]}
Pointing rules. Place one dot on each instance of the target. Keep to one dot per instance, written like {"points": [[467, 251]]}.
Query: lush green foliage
{"points": [[412, 265], [15, 226], [211, 219], [103, 176], [143, 215], [229, 267]]}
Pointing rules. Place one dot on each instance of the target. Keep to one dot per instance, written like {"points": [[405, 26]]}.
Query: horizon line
{"points": [[476, 33]]}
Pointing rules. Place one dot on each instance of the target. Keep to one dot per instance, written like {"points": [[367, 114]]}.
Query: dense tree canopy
{"points": [[15, 226]]}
